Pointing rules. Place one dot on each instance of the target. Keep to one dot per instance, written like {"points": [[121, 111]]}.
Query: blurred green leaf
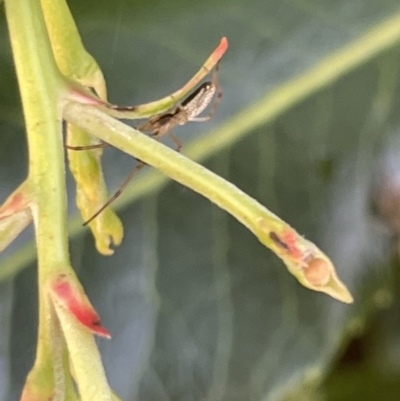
{"points": [[198, 309]]}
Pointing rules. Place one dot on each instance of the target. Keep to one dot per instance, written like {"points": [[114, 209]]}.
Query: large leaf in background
{"points": [[198, 309]]}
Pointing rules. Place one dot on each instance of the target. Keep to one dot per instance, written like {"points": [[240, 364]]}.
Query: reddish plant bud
{"points": [[67, 294]]}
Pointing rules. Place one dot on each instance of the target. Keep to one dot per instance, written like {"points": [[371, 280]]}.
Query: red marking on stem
{"points": [[17, 202], [220, 49], [289, 237], [83, 95], [74, 300], [14, 204]]}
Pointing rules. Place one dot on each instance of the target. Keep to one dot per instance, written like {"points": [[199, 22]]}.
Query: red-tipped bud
{"points": [[15, 203], [70, 296]]}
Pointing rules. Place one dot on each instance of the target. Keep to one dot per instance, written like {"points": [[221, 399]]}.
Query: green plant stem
{"points": [[41, 86], [175, 165], [259, 220], [39, 80], [40, 83], [84, 356]]}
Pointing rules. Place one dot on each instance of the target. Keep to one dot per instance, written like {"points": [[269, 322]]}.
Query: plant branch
{"points": [[42, 86], [40, 83], [303, 259]]}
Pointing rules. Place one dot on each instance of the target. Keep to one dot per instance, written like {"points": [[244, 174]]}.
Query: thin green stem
{"points": [[41, 86], [40, 83], [174, 164], [297, 253], [39, 79], [84, 356]]}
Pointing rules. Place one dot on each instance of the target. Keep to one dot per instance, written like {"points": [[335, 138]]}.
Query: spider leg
{"points": [[177, 141], [87, 147], [118, 192]]}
